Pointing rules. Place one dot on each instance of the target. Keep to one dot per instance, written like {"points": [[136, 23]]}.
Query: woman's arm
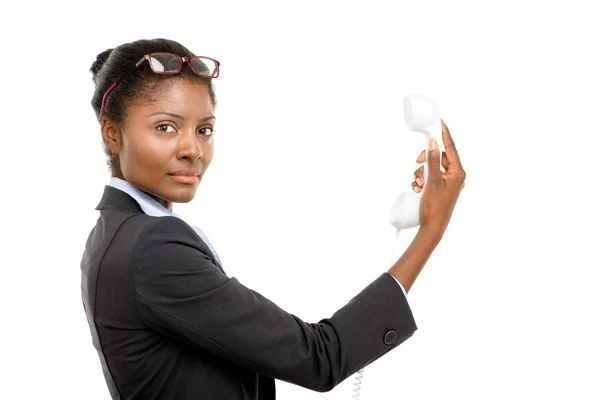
{"points": [[412, 261], [182, 294]]}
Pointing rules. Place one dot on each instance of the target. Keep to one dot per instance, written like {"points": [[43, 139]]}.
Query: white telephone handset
{"points": [[421, 114]]}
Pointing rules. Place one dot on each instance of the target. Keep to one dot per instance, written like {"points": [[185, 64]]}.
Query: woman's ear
{"points": [[111, 135]]}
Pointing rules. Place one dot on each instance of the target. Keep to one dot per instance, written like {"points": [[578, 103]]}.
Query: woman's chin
{"points": [[183, 196]]}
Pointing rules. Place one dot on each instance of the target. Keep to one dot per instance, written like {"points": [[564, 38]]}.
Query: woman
{"points": [[166, 320]]}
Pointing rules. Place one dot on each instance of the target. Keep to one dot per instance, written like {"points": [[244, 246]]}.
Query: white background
{"points": [[310, 153]]}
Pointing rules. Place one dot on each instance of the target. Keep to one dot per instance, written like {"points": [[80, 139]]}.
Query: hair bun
{"points": [[100, 60]]}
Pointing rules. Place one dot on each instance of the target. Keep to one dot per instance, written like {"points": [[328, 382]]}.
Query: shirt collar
{"points": [[147, 203]]}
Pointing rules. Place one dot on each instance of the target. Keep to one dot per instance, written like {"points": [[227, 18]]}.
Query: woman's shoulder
{"points": [[144, 227]]}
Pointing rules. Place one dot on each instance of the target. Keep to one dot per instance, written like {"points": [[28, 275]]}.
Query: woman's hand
{"points": [[443, 188]]}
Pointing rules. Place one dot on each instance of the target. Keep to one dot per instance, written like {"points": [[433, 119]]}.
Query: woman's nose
{"points": [[190, 146]]}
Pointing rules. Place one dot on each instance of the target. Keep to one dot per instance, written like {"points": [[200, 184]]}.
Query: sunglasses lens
{"points": [[165, 63], [204, 66]]}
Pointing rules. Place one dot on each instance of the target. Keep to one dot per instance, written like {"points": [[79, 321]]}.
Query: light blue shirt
{"points": [[155, 209]]}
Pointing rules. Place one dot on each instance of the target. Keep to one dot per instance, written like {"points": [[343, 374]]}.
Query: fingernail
{"points": [[432, 144], [419, 181]]}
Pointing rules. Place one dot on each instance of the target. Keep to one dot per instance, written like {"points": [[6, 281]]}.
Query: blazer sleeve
{"points": [[183, 295]]}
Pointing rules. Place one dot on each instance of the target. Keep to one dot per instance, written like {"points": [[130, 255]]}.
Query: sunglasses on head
{"points": [[170, 64]]}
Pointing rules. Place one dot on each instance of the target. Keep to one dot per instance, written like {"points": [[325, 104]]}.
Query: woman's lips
{"points": [[185, 178], [188, 175]]}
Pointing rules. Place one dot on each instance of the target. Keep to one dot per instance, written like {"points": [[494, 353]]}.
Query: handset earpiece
{"points": [[421, 114]]}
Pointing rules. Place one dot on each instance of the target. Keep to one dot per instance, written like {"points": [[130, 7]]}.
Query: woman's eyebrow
{"points": [[180, 116]]}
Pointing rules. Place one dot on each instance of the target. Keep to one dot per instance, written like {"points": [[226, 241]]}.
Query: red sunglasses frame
{"points": [[147, 57]]}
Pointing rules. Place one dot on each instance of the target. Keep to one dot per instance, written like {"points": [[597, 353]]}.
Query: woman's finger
{"points": [[415, 187], [418, 175], [450, 147], [445, 162]]}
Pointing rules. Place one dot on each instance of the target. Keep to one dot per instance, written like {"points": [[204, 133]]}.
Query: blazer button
{"points": [[390, 337]]}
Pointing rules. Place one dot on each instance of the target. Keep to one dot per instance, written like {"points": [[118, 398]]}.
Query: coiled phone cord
{"points": [[359, 373], [359, 376]]}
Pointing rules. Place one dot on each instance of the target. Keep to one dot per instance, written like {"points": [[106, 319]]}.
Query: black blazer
{"points": [[168, 323]]}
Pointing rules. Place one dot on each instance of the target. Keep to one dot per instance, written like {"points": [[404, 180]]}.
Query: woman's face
{"points": [[165, 139]]}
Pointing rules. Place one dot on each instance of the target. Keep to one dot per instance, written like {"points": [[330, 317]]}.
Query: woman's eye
{"points": [[206, 131], [165, 128]]}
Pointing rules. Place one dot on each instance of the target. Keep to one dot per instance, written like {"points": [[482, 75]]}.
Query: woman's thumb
{"points": [[433, 160]]}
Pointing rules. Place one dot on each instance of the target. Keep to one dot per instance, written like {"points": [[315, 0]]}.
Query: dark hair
{"points": [[141, 84]]}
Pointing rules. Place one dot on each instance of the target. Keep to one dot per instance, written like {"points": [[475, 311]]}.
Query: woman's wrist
{"points": [[412, 261]]}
